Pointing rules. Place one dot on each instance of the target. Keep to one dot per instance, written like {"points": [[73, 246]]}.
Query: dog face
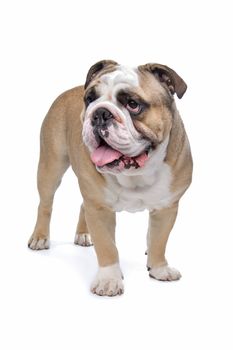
{"points": [[128, 112]]}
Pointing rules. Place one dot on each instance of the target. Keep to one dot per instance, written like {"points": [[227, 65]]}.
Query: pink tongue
{"points": [[104, 155], [141, 159]]}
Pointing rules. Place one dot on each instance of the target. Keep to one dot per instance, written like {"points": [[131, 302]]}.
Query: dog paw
{"points": [[83, 239], [108, 286], [38, 243], [108, 281], [165, 273]]}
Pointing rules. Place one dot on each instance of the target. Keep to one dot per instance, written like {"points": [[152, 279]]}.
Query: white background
{"points": [[47, 47]]}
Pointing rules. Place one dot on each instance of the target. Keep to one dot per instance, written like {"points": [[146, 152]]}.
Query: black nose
{"points": [[101, 117]]}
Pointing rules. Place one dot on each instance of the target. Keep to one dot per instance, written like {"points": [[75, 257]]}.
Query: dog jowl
{"points": [[124, 138]]}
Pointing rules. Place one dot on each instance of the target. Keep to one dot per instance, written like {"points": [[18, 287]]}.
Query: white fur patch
{"points": [[83, 239], [150, 189], [108, 281], [122, 75], [122, 135], [121, 78], [38, 244], [165, 273]]}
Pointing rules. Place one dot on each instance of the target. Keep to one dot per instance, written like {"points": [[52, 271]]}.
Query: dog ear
{"points": [[167, 76], [96, 68]]}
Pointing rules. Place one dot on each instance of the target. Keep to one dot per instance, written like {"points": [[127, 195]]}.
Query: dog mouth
{"points": [[105, 155]]}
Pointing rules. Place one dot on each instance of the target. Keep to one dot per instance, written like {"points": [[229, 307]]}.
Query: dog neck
{"points": [[146, 176]]}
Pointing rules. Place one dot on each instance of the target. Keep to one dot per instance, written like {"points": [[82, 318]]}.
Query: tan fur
{"points": [[163, 118], [160, 226], [62, 145], [158, 118]]}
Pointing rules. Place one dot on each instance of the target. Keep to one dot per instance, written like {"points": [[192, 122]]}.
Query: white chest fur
{"points": [[148, 190]]}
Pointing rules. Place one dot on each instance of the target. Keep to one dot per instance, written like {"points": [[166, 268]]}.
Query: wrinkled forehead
{"points": [[122, 77], [129, 79]]}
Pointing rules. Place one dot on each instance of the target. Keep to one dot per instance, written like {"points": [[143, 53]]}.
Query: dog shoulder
{"points": [[179, 156]]}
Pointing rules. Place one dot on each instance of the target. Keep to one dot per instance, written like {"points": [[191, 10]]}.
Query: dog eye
{"points": [[133, 107], [90, 97]]}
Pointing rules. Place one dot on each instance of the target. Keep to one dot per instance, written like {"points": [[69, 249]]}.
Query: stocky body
{"points": [[126, 142]]}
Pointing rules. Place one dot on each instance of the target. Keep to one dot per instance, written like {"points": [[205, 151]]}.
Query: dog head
{"points": [[128, 112]]}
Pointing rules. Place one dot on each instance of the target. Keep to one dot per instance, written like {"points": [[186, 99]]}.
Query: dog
{"points": [[124, 138]]}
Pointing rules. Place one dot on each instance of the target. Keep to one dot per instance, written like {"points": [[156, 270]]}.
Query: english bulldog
{"points": [[124, 138]]}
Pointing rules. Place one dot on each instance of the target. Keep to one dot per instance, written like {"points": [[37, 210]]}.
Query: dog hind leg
{"points": [[82, 236], [53, 163]]}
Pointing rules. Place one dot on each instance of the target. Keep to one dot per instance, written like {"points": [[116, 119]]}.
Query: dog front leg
{"points": [[101, 224], [160, 225]]}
